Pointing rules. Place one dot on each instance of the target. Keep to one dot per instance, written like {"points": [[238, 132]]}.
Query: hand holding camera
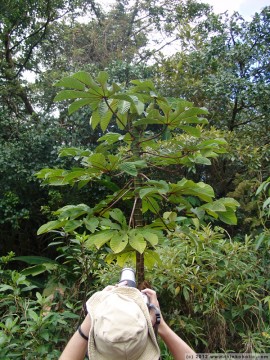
{"points": [[128, 276]]}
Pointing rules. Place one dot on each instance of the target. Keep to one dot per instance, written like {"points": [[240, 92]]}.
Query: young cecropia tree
{"points": [[150, 135]]}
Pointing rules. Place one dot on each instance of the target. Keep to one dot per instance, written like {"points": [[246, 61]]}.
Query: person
{"points": [[120, 326]]}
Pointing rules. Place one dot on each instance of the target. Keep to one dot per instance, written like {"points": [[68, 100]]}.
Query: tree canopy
{"points": [[153, 116]]}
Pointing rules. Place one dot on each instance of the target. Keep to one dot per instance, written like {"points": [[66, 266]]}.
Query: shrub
{"points": [[214, 291]]}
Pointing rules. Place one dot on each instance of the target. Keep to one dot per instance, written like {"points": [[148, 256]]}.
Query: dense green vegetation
{"points": [[154, 181]]}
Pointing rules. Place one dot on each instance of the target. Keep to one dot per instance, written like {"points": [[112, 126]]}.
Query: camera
{"points": [[128, 275]]}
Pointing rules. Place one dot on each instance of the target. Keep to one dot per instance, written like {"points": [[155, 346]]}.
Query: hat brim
{"points": [[151, 351]]}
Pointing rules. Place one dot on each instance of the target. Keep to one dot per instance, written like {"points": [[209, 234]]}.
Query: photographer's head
{"points": [[121, 326]]}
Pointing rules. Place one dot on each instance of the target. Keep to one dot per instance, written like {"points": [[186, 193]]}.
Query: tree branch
{"points": [[117, 197], [117, 117], [142, 58], [132, 212]]}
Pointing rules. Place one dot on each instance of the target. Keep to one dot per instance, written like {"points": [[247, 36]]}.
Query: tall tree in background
{"points": [[225, 66], [27, 139]]}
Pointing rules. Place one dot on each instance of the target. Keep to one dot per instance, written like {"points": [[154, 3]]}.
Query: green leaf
{"points": [[77, 105], [71, 83], [259, 240], [212, 143], [191, 130], [230, 202], [111, 138], [33, 315], [118, 215], [139, 106], [137, 242], [147, 121], [123, 106], [97, 160], [85, 78], [121, 121], [107, 223], [202, 160], [122, 96], [161, 185], [45, 335], [34, 259], [95, 119], [91, 223], [151, 237], [99, 239], [107, 109], [6, 287], [228, 217], [113, 163], [51, 225], [71, 225], [103, 77], [34, 270], [136, 105], [193, 111], [102, 108], [118, 242], [72, 211], [71, 94], [72, 151], [104, 122], [214, 206], [75, 175], [151, 258], [129, 168], [144, 206], [152, 204], [143, 85], [126, 257], [266, 203], [263, 186], [186, 293], [146, 191], [189, 187]]}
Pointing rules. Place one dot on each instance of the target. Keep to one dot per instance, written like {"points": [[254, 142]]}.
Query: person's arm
{"points": [[177, 347], [77, 346]]}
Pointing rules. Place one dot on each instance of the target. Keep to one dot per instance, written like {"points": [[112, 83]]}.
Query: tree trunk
{"points": [[138, 222], [138, 216]]}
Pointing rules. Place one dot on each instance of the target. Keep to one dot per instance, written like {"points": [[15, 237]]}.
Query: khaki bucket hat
{"points": [[121, 327]]}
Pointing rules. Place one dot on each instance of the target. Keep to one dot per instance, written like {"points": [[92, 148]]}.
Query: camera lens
{"points": [[128, 275]]}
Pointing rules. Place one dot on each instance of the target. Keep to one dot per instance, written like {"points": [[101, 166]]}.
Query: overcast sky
{"points": [[246, 8]]}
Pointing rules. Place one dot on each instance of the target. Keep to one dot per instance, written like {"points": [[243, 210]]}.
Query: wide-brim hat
{"points": [[121, 327]]}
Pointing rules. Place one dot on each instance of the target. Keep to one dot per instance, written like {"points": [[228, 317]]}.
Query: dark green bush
{"points": [[213, 291]]}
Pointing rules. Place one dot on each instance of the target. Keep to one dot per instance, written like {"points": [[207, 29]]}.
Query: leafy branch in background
{"points": [[144, 135]]}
